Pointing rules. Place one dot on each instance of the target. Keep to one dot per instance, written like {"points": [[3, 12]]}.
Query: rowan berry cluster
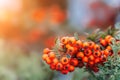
{"points": [[77, 53]]}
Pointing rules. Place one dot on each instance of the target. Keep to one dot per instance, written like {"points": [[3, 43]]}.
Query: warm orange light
{"points": [[8, 8], [12, 5]]}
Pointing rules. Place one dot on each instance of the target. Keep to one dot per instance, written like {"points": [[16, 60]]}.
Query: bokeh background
{"points": [[28, 26]]}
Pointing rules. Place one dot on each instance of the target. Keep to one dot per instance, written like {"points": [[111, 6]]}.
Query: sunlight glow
{"points": [[9, 8]]}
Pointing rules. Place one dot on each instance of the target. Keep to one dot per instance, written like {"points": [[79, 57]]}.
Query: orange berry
{"points": [[46, 50], [44, 56], [97, 60], [68, 46], [64, 60], [71, 50], [109, 48], [51, 55], [91, 58], [97, 53], [64, 40], [48, 60], [96, 47], [78, 43], [103, 42], [87, 52], [85, 59], [106, 52], [85, 45], [74, 62], [76, 49], [108, 38], [55, 61], [91, 63], [80, 55], [71, 68], [59, 66], [91, 45], [72, 40]]}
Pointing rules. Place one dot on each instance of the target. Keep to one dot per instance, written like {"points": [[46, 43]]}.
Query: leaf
{"points": [[57, 45], [76, 36], [115, 46], [96, 31], [117, 35], [112, 77], [117, 25]]}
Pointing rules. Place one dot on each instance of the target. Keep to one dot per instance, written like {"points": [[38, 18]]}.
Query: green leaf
{"points": [[112, 77], [117, 25], [76, 36]]}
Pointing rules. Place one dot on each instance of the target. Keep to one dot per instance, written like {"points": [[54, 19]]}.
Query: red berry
{"points": [[97, 54], [81, 64], [87, 52], [95, 69], [103, 58], [91, 63], [91, 45], [64, 71], [85, 59], [66, 67], [74, 62], [80, 55], [52, 67], [97, 60], [59, 66], [71, 68], [91, 58]]}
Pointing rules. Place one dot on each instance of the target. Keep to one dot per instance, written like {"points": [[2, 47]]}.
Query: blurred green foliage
{"points": [[16, 64], [80, 74]]}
